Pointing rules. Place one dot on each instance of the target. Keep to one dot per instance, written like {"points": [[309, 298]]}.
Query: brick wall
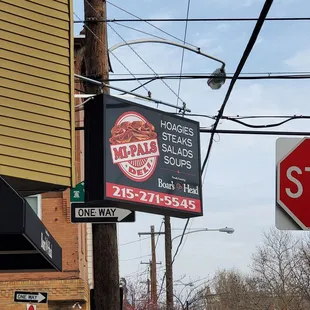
{"points": [[61, 293]]}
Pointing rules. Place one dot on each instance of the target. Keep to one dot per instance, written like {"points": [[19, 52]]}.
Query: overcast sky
{"points": [[239, 187]]}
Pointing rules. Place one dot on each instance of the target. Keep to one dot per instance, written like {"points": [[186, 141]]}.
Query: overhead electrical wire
{"points": [[221, 19], [142, 59], [96, 37], [228, 77], [136, 273], [183, 50], [247, 51], [149, 23], [139, 58], [229, 73], [265, 125], [134, 241], [134, 258], [160, 228], [244, 57], [138, 30]]}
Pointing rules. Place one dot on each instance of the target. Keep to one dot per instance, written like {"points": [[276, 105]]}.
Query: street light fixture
{"points": [[218, 77], [228, 230]]}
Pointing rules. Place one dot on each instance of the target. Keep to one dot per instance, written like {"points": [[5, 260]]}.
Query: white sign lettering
{"points": [[88, 212], [289, 172], [46, 245]]}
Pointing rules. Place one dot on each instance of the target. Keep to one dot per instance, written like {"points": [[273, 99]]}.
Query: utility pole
{"points": [[150, 284], [153, 264], [168, 255], [153, 269], [105, 250]]}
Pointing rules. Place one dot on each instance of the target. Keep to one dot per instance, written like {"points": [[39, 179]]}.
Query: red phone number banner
{"points": [[128, 193]]}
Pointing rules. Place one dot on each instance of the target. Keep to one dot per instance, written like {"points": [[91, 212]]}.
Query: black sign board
{"points": [[151, 159], [30, 297], [88, 213], [25, 243]]}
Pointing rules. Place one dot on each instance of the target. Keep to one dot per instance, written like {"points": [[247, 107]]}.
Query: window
{"points": [[35, 204]]}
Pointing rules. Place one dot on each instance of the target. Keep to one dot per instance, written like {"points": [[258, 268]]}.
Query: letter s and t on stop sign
{"points": [[293, 184]]}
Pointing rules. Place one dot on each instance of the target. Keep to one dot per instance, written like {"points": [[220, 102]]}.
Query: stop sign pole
{"points": [[293, 184]]}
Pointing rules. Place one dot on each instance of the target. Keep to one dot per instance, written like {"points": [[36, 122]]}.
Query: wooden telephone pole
{"points": [[152, 302], [153, 264], [153, 270], [105, 250], [168, 255]]}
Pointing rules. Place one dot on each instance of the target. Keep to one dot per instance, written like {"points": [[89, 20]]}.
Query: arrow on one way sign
{"points": [[88, 213], [34, 297]]}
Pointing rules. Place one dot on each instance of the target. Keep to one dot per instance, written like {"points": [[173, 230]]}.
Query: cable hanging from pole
{"points": [[177, 95], [96, 37], [183, 51], [247, 51], [147, 22], [102, 84], [240, 19], [268, 76]]}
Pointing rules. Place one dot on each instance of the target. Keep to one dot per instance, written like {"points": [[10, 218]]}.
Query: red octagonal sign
{"points": [[293, 186]]}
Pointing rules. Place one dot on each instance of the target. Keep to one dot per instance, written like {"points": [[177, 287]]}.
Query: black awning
{"points": [[25, 243]]}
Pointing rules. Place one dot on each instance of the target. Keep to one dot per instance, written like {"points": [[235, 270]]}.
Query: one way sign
{"points": [[89, 213], [33, 297]]}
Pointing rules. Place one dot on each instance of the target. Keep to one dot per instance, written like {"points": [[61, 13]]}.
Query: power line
{"points": [[244, 57], [183, 50], [228, 73], [147, 22], [287, 118], [228, 77], [160, 228], [237, 19], [142, 85], [146, 65], [138, 273], [266, 125], [138, 30], [255, 132], [135, 241], [243, 117], [240, 66], [96, 37], [135, 258], [237, 119]]}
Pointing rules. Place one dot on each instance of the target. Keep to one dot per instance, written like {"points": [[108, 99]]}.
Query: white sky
{"points": [[239, 188]]}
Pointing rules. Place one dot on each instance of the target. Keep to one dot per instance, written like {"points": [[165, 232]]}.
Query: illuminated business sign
{"points": [[152, 159]]}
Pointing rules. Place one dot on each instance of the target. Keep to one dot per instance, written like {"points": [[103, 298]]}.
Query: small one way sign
{"points": [[88, 213], [33, 297]]}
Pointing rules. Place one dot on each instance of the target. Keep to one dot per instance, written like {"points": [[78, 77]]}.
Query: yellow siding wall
{"points": [[36, 90]]}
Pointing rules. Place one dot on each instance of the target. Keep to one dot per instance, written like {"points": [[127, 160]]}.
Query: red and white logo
{"points": [[134, 146]]}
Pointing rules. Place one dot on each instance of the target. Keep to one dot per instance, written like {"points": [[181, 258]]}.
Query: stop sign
{"points": [[31, 307], [293, 183]]}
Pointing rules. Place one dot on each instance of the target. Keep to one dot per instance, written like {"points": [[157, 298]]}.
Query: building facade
{"points": [[71, 286]]}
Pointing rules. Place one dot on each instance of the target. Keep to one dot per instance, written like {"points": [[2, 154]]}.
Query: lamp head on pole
{"points": [[217, 79], [227, 230]]}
